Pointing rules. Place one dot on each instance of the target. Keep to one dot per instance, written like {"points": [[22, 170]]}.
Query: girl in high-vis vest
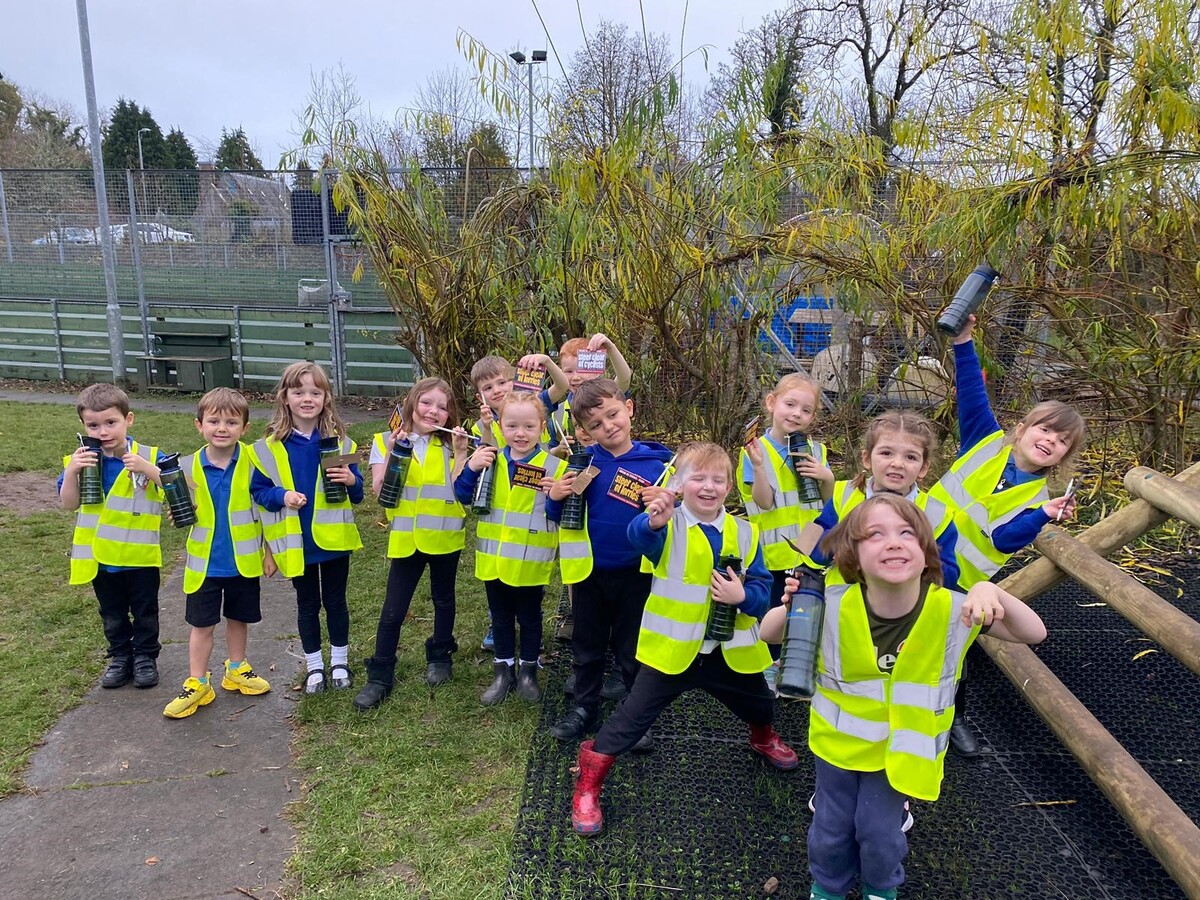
{"points": [[683, 547], [892, 647], [896, 454], [998, 485], [425, 529], [310, 538], [768, 483], [515, 544]]}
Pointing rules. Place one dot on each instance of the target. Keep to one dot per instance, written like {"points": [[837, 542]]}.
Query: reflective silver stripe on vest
{"points": [[266, 458], [872, 690], [523, 521], [133, 504], [574, 549], [200, 533], [916, 744], [435, 523], [241, 517], [487, 547], [247, 547], [742, 637], [438, 492], [831, 650], [935, 512], [81, 551], [776, 535], [926, 696], [286, 542], [677, 631], [1042, 496], [335, 516], [410, 494], [126, 536], [976, 557], [401, 523], [844, 722], [678, 591], [526, 552], [196, 564], [87, 520]]}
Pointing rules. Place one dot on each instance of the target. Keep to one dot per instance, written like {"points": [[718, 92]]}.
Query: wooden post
{"points": [[1105, 537], [1165, 493], [1163, 827], [1178, 634]]}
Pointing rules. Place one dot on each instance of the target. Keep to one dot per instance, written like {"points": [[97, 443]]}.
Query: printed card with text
{"points": [[583, 479], [591, 362], [527, 476], [528, 379], [751, 431], [627, 487], [395, 420]]}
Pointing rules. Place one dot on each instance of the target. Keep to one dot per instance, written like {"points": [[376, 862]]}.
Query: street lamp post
{"points": [[142, 170], [536, 56]]}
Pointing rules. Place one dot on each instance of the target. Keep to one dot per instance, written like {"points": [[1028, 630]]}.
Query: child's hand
{"points": [[561, 488], [270, 567], [810, 468], [545, 484], [486, 417], [340, 475], [729, 591], [754, 451], [790, 586], [294, 500], [482, 458], [559, 451], [651, 491], [82, 458], [660, 508], [398, 435], [968, 331], [600, 342], [459, 440], [1059, 508], [533, 361], [139, 465], [982, 606]]}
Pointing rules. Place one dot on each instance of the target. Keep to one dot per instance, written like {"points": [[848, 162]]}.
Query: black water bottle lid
{"points": [[169, 463]]}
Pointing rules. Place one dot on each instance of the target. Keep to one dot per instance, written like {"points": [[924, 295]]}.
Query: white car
{"points": [[68, 235], [153, 233]]}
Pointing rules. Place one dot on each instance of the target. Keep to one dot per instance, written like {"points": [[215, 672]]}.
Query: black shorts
{"points": [[241, 596]]}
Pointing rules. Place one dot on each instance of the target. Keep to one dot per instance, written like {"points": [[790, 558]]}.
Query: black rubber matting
{"points": [[702, 817]]}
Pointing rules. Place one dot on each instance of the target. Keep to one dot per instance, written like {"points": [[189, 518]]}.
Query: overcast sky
{"points": [[224, 63]]}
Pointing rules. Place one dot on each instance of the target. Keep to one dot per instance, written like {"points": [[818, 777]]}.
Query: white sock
{"points": [[526, 662], [314, 661], [509, 662], [338, 656]]}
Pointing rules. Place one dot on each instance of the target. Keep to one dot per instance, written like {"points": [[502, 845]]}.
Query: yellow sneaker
{"points": [[193, 695], [243, 679]]}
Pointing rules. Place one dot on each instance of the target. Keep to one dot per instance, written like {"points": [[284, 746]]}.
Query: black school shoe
{"points": [[118, 673], [963, 740], [574, 724], [145, 671]]}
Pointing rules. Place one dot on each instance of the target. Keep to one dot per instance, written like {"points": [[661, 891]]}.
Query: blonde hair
{"points": [[523, 398], [223, 399], [703, 456], [408, 406], [99, 397], [1060, 417], [910, 423], [281, 425], [490, 367], [796, 381], [841, 544]]}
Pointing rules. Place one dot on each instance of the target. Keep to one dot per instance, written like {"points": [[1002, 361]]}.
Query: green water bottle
{"points": [[798, 448], [721, 616], [396, 474], [91, 480], [334, 492], [175, 489]]}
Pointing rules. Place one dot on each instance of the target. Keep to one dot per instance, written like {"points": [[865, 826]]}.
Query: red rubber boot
{"points": [[765, 740], [585, 805]]}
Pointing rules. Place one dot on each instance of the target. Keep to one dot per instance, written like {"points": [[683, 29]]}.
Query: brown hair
{"points": [[223, 399], [523, 398], [841, 544], [572, 348], [408, 406], [99, 397], [591, 394], [281, 425], [703, 456], [1060, 417], [910, 423], [490, 367]]}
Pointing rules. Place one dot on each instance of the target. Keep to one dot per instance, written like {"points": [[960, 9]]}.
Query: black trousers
{"points": [[511, 606], [745, 695], [129, 610], [608, 610], [403, 576], [323, 584]]}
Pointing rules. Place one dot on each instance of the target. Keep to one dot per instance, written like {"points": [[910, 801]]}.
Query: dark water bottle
{"points": [[334, 492], [91, 480], [802, 636], [395, 474], [572, 508], [175, 488], [968, 299], [722, 615], [799, 447], [485, 488]]}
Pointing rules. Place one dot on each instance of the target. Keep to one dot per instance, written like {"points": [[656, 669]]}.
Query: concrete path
{"points": [[124, 802]]}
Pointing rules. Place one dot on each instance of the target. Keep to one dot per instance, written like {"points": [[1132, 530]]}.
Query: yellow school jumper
{"points": [[244, 528]]}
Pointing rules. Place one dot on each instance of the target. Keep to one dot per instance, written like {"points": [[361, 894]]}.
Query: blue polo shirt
{"points": [[221, 561]]}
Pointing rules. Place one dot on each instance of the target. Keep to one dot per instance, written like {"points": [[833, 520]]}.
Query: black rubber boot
{"points": [[381, 675], [504, 682], [527, 682], [438, 661]]}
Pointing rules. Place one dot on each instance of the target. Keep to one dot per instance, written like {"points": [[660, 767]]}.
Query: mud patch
{"points": [[28, 492]]}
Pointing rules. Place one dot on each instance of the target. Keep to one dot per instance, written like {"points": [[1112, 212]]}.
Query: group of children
{"points": [[642, 569]]}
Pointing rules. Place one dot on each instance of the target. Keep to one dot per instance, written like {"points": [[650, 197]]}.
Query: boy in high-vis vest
{"points": [[683, 546], [115, 544], [224, 553], [892, 648]]}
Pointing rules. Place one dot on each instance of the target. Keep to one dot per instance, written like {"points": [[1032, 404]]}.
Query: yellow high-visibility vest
{"points": [[245, 530], [788, 516], [515, 542], [428, 517]]}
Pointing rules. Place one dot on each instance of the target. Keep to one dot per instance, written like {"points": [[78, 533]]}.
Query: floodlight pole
{"points": [[142, 170], [536, 56], [116, 331]]}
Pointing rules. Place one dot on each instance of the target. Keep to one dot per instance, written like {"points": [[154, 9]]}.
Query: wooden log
{"points": [[1161, 491], [1105, 537], [1158, 821], [1177, 633]]}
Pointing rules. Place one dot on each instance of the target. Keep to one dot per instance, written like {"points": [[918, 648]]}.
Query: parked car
{"points": [[153, 233], [68, 235]]}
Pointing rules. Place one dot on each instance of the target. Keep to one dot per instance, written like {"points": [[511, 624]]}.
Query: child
{"points": [[892, 634], [684, 546], [224, 553], [514, 556], [568, 360], [895, 457], [769, 487], [425, 529], [610, 588], [310, 537], [115, 544], [997, 486]]}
